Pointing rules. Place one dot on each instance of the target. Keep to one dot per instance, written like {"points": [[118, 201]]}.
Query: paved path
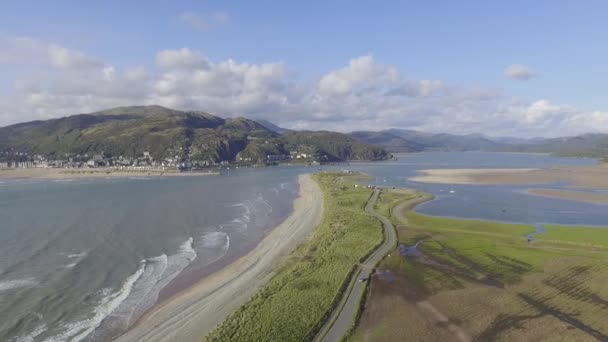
{"points": [[342, 318]]}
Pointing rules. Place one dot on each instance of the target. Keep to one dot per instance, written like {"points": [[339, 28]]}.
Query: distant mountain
{"points": [[168, 133], [269, 125], [336, 146], [388, 141], [594, 145], [402, 140]]}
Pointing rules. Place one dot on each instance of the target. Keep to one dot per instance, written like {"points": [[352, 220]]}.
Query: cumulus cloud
{"points": [[422, 88], [519, 72], [361, 73], [203, 22], [362, 94], [181, 59], [61, 57]]}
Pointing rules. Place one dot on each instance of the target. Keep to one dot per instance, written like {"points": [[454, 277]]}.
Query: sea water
{"points": [[84, 259]]}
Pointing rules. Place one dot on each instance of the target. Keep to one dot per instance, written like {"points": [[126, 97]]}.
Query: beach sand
{"points": [[194, 312], [59, 173], [595, 176]]}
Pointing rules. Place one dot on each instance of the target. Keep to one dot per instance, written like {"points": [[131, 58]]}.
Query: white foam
{"points": [[31, 337], [157, 273], [216, 240], [17, 283], [260, 199], [77, 331], [69, 265], [75, 255], [118, 309]]}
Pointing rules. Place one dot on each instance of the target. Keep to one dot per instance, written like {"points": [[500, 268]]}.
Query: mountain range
{"points": [[398, 140], [167, 133], [200, 136]]}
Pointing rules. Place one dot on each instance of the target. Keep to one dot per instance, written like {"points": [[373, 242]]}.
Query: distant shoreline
{"points": [[593, 176], [60, 173], [574, 177]]}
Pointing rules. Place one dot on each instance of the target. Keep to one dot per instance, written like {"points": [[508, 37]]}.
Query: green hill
{"points": [[167, 133], [594, 145], [336, 146]]}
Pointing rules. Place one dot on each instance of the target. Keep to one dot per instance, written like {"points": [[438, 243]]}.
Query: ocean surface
{"points": [[81, 260]]}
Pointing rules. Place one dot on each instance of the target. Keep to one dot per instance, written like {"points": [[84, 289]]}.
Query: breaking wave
{"points": [[17, 283], [116, 310]]}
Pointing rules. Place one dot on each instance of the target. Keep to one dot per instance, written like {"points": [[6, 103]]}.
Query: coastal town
{"points": [[145, 161]]}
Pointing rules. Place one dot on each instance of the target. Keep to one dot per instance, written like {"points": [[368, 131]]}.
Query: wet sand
{"points": [[191, 314], [595, 176], [582, 196], [60, 173]]}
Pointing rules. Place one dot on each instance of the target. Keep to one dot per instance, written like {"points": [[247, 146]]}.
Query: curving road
{"points": [[342, 318]]}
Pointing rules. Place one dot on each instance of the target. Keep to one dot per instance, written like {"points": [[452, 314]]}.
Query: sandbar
{"points": [[594, 176], [581, 196]]}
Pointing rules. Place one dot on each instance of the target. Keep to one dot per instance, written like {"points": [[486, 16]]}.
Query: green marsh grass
{"points": [[300, 293]]}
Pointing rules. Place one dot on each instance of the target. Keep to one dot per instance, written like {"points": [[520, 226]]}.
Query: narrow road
{"points": [[342, 318]]}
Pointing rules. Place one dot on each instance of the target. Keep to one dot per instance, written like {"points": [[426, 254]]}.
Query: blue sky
{"points": [[458, 47]]}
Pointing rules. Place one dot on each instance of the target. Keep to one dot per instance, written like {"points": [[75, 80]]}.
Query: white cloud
{"points": [[181, 59], [360, 95], [519, 72], [361, 73], [203, 22], [64, 58], [422, 88]]}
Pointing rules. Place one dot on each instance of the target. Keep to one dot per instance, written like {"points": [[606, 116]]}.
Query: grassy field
{"points": [[299, 295], [389, 198], [484, 281]]}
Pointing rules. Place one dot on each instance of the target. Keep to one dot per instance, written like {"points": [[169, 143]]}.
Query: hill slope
{"points": [[388, 141], [164, 133], [594, 145], [402, 140], [336, 146]]}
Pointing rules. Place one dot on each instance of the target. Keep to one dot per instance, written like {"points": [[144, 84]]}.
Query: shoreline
{"points": [[42, 173], [192, 313], [579, 196], [593, 176], [571, 179]]}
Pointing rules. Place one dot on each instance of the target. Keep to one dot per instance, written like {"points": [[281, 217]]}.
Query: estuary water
{"points": [[84, 259]]}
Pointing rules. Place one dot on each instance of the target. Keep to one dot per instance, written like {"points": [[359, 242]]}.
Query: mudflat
{"points": [[582, 196], [595, 176]]}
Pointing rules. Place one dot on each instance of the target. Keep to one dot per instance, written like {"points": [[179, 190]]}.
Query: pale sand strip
{"points": [[582, 196], [595, 176], [466, 176], [51, 173], [191, 314]]}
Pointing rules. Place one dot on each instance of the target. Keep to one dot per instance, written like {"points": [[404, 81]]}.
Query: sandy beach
{"points": [[595, 176], [582, 196], [191, 314], [59, 173]]}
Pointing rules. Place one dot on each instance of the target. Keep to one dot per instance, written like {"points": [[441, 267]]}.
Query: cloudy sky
{"points": [[519, 68]]}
